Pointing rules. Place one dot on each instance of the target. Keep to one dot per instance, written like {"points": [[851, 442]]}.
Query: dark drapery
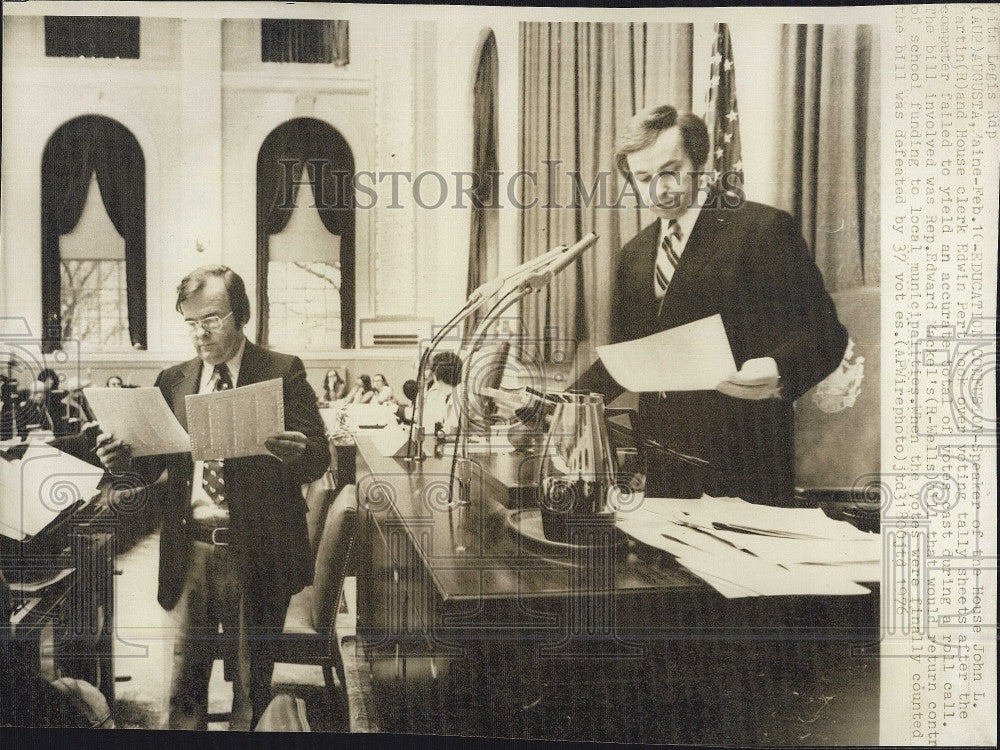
{"points": [[288, 40], [828, 147], [92, 36], [484, 235], [80, 147], [288, 151]]}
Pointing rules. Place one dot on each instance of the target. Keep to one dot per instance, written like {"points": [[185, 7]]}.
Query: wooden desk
{"points": [[79, 607], [466, 623]]}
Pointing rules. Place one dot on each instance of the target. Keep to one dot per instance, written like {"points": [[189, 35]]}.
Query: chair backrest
{"points": [[318, 497], [332, 558]]}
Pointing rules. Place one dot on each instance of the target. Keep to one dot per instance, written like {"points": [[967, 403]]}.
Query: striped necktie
{"points": [[666, 259], [211, 479]]}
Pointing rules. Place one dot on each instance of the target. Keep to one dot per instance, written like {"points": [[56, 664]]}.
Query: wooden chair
{"points": [[319, 495], [309, 635]]}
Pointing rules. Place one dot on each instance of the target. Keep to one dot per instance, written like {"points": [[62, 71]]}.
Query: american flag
{"points": [[722, 116]]}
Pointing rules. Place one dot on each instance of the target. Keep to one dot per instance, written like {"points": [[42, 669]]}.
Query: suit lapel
{"points": [[644, 268], [186, 386], [706, 241], [252, 366]]}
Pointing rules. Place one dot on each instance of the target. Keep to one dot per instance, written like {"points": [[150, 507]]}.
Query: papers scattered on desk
{"points": [[139, 417], [235, 422], [741, 549], [36, 489], [36, 586], [692, 357]]}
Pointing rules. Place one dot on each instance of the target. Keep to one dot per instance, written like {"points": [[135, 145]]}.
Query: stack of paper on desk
{"points": [[741, 549], [40, 486]]}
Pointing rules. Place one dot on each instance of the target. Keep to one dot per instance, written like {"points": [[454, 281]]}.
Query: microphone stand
{"points": [[535, 281], [480, 296]]}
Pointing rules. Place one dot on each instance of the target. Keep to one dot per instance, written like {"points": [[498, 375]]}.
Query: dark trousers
{"points": [[213, 596]]}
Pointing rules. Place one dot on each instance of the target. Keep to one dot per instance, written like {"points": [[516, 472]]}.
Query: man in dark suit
{"points": [[234, 545], [713, 252]]}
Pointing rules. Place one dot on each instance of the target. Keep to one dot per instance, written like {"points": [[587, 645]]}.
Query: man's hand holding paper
{"points": [[238, 422], [692, 357], [758, 379], [287, 446], [114, 454]]}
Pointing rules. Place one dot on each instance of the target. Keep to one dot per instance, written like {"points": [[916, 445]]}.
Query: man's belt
{"points": [[220, 536]]}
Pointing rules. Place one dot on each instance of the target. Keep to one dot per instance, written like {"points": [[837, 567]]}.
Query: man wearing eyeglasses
{"points": [[233, 546]]}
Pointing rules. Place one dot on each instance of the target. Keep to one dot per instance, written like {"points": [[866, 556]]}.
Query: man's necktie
{"points": [[211, 478], [666, 259]]}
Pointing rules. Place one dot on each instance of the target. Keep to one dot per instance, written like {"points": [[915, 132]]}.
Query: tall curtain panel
{"points": [[581, 84], [281, 164], [286, 40], [484, 235], [829, 90], [79, 148]]}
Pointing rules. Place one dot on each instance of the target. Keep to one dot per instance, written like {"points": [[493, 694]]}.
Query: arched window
{"points": [[305, 237], [93, 236]]}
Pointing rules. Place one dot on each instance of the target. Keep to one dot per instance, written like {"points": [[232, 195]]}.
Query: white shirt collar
{"points": [[234, 364]]}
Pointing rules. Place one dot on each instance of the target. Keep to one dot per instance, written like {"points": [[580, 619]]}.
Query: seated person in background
{"points": [[33, 409], [405, 412], [383, 393], [446, 373], [334, 387], [115, 381], [362, 392]]}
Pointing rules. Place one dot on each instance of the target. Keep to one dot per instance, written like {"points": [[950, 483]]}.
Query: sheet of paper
{"points": [[40, 486], [140, 417], [692, 357], [236, 422], [35, 586], [738, 564]]}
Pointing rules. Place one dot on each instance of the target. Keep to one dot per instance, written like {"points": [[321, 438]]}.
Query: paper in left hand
{"points": [[692, 357], [36, 489], [139, 417], [235, 422]]}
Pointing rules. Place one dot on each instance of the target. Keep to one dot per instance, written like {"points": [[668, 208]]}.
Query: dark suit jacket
{"points": [[752, 266], [266, 507]]}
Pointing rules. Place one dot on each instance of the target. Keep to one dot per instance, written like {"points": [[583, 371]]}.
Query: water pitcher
{"points": [[577, 468]]}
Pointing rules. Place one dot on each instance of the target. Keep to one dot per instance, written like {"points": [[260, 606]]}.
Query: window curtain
{"points": [[92, 36], [281, 164], [831, 130], [304, 41], [581, 84], [484, 250], [84, 146]]}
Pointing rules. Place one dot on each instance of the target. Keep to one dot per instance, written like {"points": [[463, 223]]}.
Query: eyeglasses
{"points": [[212, 324]]}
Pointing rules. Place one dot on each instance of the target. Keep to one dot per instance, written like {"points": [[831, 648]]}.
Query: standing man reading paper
{"points": [[234, 545], [712, 253]]}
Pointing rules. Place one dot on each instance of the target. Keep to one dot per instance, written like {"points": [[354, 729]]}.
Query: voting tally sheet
{"points": [[235, 422], [468, 140], [223, 424]]}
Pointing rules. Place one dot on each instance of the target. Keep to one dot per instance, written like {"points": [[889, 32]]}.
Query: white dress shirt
{"points": [[203, 507]]}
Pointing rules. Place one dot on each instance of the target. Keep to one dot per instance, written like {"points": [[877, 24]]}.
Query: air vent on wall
{"points": [[395, 332]]}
